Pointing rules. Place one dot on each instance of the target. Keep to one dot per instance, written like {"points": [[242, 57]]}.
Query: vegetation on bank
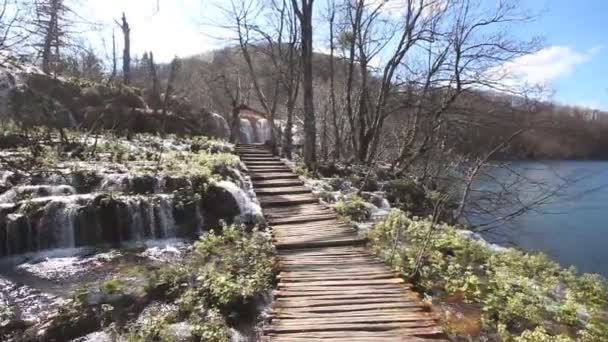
{"points": [[354, 208], [216, 287], [508, 295]]}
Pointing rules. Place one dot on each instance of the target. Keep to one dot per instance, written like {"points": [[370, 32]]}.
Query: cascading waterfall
{"points": [[221, 126], [80, 220], [264, 131], [165, 217], [250, 211], [247, 136], [136, 212]]}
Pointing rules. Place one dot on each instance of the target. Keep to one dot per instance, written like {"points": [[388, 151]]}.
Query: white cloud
{"points": [[174, 30], [543, 66]]}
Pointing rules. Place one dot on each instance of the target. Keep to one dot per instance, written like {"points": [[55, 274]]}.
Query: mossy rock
{"points": [[408, 196], [142, 185], [219, 205]]}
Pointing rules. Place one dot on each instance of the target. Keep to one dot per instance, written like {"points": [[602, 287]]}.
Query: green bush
{"points": [[354, 208], [518, 292]]}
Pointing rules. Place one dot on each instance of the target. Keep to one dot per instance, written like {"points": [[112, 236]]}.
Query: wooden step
{"points": [[273, 175], [293, 244], [268, 169], [276, 183], [306, 218], [257, 155], [260, 159], [282, 200], [263, 163], [283, 190]]}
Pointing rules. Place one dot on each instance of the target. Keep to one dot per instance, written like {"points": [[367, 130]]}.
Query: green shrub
{"points": [[518, 292], [354, 208]]}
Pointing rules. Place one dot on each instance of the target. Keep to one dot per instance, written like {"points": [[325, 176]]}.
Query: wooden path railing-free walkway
{"points": [[330, 287]]}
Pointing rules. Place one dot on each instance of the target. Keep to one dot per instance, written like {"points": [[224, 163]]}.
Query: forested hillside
{"points": [[481, 119]]}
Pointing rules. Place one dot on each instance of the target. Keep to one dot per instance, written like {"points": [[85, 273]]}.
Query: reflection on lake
{"points": [[569, 219]]}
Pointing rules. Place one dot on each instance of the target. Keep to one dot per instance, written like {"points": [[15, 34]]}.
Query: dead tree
{"points": [[155, 100], [126, 55], [48, 24], [114, 61]]}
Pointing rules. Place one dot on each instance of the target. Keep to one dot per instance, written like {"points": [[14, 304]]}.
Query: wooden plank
{"points": [[315, 244], [283, 190], [272, 175], [268, 169], [280, 221], [414, 328], [276, 183]]}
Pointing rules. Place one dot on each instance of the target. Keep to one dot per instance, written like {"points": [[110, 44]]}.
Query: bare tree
{"points": [[12, 24], [337, 150], [126, 55], [304, 14], [155, 100], [48, 24], [114, 60]]}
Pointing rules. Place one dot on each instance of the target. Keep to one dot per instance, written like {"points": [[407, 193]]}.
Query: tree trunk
{"points": [[51, 35], [310, 130], [114, 62], [126, 55], [332, 88], [235, 125], [289, 129], [155, 101]]}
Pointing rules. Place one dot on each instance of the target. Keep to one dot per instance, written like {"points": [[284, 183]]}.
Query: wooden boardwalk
{"points": [[330, 287]]}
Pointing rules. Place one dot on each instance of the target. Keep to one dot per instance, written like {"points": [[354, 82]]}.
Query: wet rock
{"points": [[142, 185], [216, 126], [219, 204], [174, 183]]}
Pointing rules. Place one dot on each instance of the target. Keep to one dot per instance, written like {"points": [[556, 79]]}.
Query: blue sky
{"points": [[576, 34], [573, 62]]}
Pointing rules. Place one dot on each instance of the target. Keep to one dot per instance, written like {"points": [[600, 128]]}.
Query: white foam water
{"points": [[246, 132], [250, 211]]}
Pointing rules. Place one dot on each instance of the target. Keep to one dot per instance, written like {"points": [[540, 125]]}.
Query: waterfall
{"points": [[134, 206], [264, 131], [59, 217], [66, 219], [200, 220], [165, 217], [250, 212], [12, 241], [222, 129], [59, 222], [247, 136]]}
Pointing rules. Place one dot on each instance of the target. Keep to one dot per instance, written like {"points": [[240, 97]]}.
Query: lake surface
{"points": [[569, 218]]}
